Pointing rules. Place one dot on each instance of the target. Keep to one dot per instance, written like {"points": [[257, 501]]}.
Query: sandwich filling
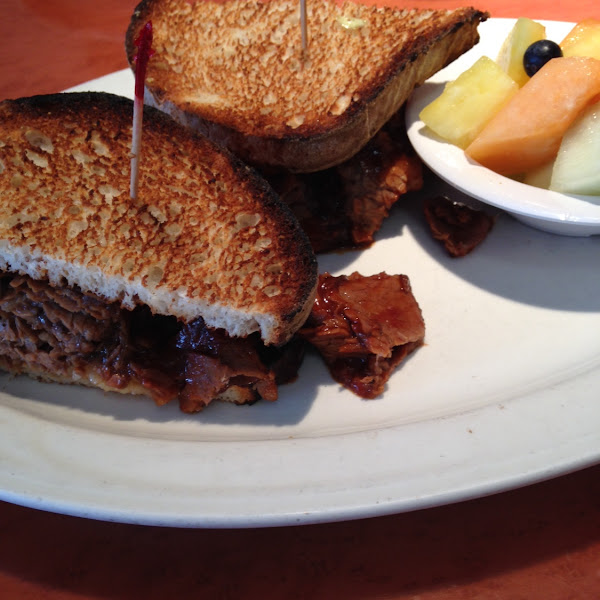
{"points": [[363, 327], [60, 333], [344, 206]]}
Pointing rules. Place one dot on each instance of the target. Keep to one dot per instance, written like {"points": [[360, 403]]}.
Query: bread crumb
{"points": [[81, 157], [257, 281], [98, 170], [270, 98], [157, 213], [175, 209], [37, 159], [262, 243], [274, 268], [38, 140], [109, 192], [75, 228], [173, 229], [272, 291], [124, 229], [155, 274], [198, 257], [245, 220], [295, 121], [340, 105], [99, 147], [16, 180]]}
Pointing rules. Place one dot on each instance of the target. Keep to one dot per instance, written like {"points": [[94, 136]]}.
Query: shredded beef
{"points": [[213, 364], [41, 329], [459, 227], [344, 206], [363, 327], [58, 331]]}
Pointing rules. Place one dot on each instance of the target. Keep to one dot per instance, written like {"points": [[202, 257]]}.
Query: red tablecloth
{"points": [[542, 541]]}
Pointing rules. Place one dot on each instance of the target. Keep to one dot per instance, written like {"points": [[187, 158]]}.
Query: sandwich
{"points": [[191, 291], [309, 118]]}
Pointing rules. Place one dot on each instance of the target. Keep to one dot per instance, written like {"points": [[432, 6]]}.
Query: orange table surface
{"points": [[542, 541]]}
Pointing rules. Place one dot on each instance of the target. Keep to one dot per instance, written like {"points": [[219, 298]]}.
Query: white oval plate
{"points": [[547, 210], [504, 393]]}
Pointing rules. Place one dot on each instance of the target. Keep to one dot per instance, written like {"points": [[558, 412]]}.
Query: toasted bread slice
{"points": [[206, 236], [235, 70]]}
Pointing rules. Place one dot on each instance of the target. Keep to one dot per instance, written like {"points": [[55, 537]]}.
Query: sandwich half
{"points": [[325, 125], [236, 70], [185, 292]]}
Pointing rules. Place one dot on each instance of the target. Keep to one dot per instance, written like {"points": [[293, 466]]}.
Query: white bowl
{"points": [[547, 210]]}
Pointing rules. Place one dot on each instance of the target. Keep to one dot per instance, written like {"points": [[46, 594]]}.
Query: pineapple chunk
{"points": [[577, 165], [468, 103], [583, 39], [522, 35]]}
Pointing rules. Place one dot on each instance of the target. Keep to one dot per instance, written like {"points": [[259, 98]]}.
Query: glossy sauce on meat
{"points": [[58, 332], [363, 327]]}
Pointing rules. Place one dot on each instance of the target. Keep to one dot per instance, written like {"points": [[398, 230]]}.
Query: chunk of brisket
{"points": [[344, 206], [458, 226], [364, 327]]}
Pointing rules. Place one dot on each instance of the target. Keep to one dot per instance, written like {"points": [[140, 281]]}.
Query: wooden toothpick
{"points": [[144, 44]]}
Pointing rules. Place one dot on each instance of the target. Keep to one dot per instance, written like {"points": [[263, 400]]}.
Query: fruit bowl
{"points": [[547, 210]]}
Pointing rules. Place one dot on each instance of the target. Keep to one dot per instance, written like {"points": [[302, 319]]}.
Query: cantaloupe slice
{"points": [[583, 39], [527, 131]]}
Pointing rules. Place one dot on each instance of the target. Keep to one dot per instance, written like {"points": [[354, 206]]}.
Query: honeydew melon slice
{"points": [[577, 165]]}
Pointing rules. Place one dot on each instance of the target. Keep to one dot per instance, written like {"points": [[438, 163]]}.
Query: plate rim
{"points": [[376, 496]]}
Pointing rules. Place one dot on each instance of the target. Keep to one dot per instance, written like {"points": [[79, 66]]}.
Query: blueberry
{"points": [[538, 54]]}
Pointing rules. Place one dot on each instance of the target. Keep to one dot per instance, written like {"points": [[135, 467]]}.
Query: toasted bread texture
{"points": [[236, 71], [205, 237]]}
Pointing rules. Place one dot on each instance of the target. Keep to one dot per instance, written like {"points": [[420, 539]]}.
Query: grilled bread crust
{"points": [[206, 236], [235, 71]]}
